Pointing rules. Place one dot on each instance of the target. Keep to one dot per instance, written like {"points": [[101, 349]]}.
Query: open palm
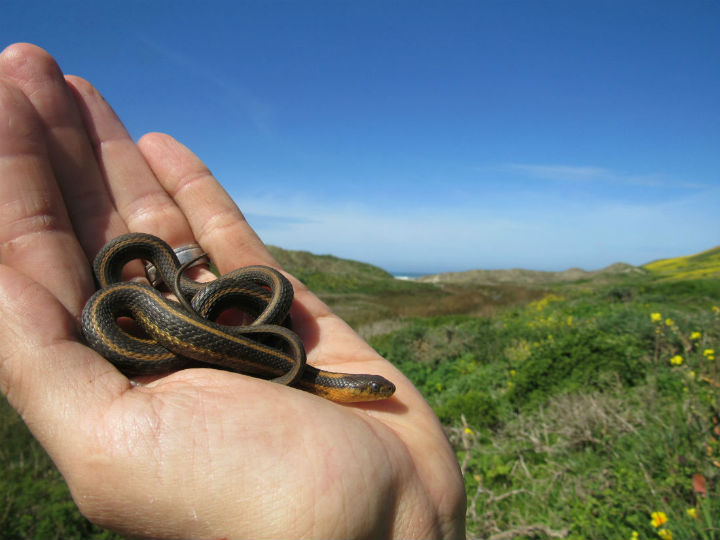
{"points": [[200, 452]]}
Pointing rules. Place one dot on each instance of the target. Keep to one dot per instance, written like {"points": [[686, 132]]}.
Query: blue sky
{"points": [[426, 136]]}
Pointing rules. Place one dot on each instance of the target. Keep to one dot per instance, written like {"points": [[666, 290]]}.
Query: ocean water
{"points": [[408, 275]]}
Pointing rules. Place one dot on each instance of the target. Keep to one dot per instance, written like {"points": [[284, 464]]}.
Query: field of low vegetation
{"points": [[577, 409]]}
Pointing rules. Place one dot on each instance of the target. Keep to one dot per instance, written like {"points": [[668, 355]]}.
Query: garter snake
{"points": [[177, 337]]}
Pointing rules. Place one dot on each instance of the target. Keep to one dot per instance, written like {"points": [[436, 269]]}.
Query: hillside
{"points": [[367, 297], [299, 261], [532, 277], [327, 273], [699, 266]]}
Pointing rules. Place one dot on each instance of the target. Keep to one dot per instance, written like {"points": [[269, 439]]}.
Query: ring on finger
{"points": [[186, 253]]}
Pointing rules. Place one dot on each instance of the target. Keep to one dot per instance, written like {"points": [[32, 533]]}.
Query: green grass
{"points": [[569, 418]]}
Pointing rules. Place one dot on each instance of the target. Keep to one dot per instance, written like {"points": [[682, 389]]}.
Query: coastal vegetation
{"points": [[586, 407]]}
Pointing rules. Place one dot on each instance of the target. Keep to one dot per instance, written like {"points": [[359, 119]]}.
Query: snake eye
{"points": [[382, 388]]}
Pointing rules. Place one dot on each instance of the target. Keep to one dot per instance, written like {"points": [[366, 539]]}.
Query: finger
{"points": [[216, 221], [141, 201], [36, 236], [77, 173]]}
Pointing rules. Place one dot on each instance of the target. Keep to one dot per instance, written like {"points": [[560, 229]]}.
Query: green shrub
{"points": [[479, 408], [576, 360], [706, 289]]}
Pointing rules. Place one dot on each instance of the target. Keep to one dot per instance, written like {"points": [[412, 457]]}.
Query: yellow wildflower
{"points": [[658, 518], [669, 322], [716, 309], [665, 534], [692, 512], [635, 535], [709, 354], [468, 431], [695, 335], [655, 317], [676, 360]]}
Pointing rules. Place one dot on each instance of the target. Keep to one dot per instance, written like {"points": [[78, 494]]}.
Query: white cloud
{"points": [[550, 235], [588, 174], [561, 172]]}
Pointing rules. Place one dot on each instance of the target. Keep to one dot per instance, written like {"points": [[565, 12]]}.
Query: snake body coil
{"points": [[178, 338]]}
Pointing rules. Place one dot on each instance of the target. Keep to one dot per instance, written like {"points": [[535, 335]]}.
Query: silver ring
{"points": [[184, 254]]}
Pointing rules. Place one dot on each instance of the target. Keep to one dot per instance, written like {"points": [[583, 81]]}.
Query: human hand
{"points": [[199, 452]]}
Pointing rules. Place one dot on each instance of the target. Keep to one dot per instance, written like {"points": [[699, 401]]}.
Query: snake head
{"points": [[367, 388], [345, 387], [380, 388]]}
